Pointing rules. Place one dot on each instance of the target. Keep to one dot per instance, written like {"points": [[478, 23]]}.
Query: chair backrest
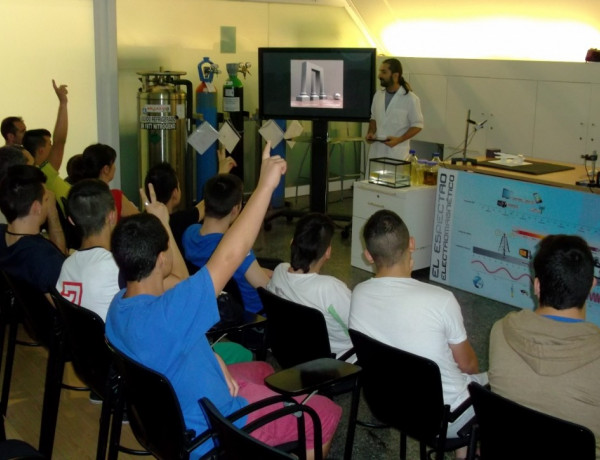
{"points": [[412, 403], [39, 316], [234, 290], [509, 430], [296, 333], [152, 408], [235, 443], [84, 330]]}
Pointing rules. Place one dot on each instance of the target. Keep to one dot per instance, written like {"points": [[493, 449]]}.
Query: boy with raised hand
{"points": [[223, 203], [165, 329]]}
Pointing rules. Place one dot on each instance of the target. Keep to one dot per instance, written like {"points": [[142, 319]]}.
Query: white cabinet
{"points": [[415, 205], [567, 121]]}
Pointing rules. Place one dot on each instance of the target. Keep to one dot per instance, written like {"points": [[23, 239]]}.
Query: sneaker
{"points": [[95, 398], [125, 420]]}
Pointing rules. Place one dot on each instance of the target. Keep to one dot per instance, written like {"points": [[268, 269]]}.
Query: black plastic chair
{"points": [[42, 324], [506, 429], [234, 443], [296, 333], [413, 403], [153, 410], [93, 363], [249, 331], [10, 318], [299, 341]]}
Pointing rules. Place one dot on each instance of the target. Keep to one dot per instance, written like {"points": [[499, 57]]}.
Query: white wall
{"points": [[178, 37], [42, 40]]}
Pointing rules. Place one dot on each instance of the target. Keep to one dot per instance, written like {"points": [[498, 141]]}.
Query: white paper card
{"points": [[294, 129], [270, 131], [228, 136], [204, 136]]}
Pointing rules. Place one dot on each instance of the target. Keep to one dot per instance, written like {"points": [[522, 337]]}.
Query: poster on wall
{"points": [[486, 230]]}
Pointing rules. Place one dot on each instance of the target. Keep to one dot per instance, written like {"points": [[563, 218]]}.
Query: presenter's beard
{"points": [[386, 83]]}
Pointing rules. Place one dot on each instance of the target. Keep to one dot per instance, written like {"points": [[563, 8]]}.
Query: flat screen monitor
{"points": [[332, 84]]}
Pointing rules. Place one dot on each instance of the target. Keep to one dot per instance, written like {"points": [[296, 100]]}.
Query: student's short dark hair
{"points": [[95, 157], [136, 242], [8, 126], [88, 203], [19, 188], [35, 139], [386, 237], [164, 179], [311, 239], [221, 194], [10, 156], [75, 169], [564, 266]]}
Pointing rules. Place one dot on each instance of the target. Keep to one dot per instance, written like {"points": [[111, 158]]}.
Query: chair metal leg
{"points": [[115, 429], [114, 446], [352, 420], [8, 364], [104, 429], [52, 388], [402, 445], [423, 452]]}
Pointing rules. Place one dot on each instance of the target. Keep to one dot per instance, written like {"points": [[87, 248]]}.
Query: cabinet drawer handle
{"points": [[377, 205]]}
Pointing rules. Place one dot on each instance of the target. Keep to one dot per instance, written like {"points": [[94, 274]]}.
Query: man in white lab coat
{"points": [[395, 114]]}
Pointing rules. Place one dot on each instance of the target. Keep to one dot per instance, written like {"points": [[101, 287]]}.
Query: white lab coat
{"points": [[403, 112]]}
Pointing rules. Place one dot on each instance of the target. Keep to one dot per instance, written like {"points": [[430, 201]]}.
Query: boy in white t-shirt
{"points": [[302, 283], [90, 277], [417, 317]]}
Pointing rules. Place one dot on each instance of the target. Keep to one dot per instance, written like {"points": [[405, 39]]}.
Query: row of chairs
{"points": [[72, 333], [413, 406]]}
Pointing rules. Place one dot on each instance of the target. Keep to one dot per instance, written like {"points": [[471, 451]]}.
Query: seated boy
{"points": [[165, 329], [89, 277], [24, 252], [166, 186], [417, 317], [549, 359], [223, 203], [301, 281]]}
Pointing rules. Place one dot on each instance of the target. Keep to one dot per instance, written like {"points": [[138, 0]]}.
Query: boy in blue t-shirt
{"points": [[165, 329], [223, 204]]}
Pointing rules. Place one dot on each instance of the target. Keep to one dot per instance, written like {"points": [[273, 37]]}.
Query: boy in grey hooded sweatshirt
{"points": [[549, 359]]}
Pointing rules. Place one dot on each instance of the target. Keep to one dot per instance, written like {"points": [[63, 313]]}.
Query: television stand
{"points": [[319, 180]]}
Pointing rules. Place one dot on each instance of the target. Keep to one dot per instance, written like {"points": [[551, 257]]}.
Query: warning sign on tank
{"points": [[150, 122]]}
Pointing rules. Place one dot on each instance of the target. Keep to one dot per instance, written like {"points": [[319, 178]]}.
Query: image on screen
{"points": [[317, 83], [329, 84]]}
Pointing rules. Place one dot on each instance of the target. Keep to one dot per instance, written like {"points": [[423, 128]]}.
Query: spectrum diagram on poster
{"points": [[486, 230]]}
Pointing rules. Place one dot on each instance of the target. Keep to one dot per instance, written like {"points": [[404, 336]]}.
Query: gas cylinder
{"points": [[233, 104], [164, 115], [206, 105]]}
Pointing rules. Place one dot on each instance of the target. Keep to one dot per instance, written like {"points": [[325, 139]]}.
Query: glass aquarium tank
{"points": [[389, 172]]}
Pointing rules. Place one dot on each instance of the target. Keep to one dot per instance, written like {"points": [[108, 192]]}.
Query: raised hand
{"points": [[271, 170], [226, 164], [61, 92], [153, 206]]}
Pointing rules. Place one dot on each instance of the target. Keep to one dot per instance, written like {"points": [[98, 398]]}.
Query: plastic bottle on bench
{"points": [[414, 167]]}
